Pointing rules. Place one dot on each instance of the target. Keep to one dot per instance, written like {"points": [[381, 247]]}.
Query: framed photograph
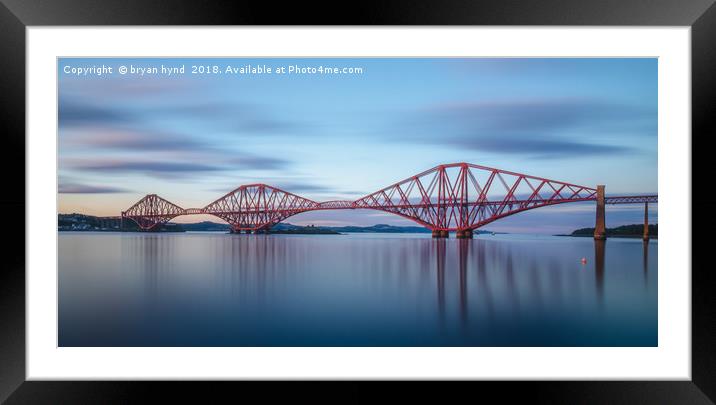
{"points": [[442, 196]]}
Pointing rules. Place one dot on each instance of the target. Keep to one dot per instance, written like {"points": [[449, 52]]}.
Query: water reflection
{"points": [[440, 271], [483, 288], [539, 276], [645, 259], [513, 293], [599, 248], [463, 246], [353, 290], [147, 256]]}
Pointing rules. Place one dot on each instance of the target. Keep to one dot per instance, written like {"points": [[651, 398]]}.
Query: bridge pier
{"points": [[440, 234], [646, 221], [600, 229], [464, 234], [240, 231]]}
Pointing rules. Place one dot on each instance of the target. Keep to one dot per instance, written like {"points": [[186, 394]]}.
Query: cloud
{"points": [[270, 126], [296, 187], [98, 87], [129, 140], [353, 192], [70, 113], [156, 153], [255, 162], [540, 148], [539, 128], [541, 115], [289, 186], [76, 188], [139, 166], [165, 167], [236, 117]]}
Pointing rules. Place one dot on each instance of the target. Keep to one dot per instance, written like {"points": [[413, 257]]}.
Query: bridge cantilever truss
{"points": [[151, 211], [258, 206], [453, 197], [465, 196]]}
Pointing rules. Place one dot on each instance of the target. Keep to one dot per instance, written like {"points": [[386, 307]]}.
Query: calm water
{"points": [[211, 289]]}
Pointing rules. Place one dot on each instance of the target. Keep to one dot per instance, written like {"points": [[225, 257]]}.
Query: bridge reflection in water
{"points": [[465, 249], [354, 290]]}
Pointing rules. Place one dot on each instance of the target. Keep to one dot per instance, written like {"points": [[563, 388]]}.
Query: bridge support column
{"points": [[646, 221], [464, 234], [440, 234], [600, 229]]}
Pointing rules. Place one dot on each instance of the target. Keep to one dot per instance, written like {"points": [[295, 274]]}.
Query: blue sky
{"points": [[193, 137]]}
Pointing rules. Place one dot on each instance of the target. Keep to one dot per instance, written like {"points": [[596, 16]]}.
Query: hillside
{"points": [[633, 230]]}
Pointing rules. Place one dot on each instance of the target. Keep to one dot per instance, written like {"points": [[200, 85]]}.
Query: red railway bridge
{"points": [[459, 197]]}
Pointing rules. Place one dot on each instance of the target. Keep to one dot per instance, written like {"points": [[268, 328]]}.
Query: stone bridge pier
{"points": [[600, 229]]}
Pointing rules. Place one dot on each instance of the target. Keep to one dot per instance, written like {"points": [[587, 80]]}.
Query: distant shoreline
{"points": [[624, 231], [89, 223], [611, 236]]}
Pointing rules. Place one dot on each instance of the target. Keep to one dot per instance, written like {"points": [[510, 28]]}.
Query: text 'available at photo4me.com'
{"points": [[168, 70]]}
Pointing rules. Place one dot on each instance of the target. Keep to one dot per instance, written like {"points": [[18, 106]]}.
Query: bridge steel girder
{"points": [[463, 196], [257, 207], [632, 199], [151, 211], [452, 197]]}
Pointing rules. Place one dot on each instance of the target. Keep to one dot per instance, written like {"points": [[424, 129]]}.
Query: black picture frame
{"points": [[16, 15]]}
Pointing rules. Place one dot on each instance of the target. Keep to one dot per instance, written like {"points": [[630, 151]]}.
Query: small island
{"points": [[624, 231], [302, 230]]}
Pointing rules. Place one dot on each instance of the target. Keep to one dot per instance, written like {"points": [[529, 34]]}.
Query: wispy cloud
{"points": [[540, 128], [540, 115], [289, 186], [154, 153], [255, 162], [110, 138], [541, 148], [296, 187], [77, 188], [165, 167], [140, 166], [71, 113], [97, 88], [238, 117]]}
